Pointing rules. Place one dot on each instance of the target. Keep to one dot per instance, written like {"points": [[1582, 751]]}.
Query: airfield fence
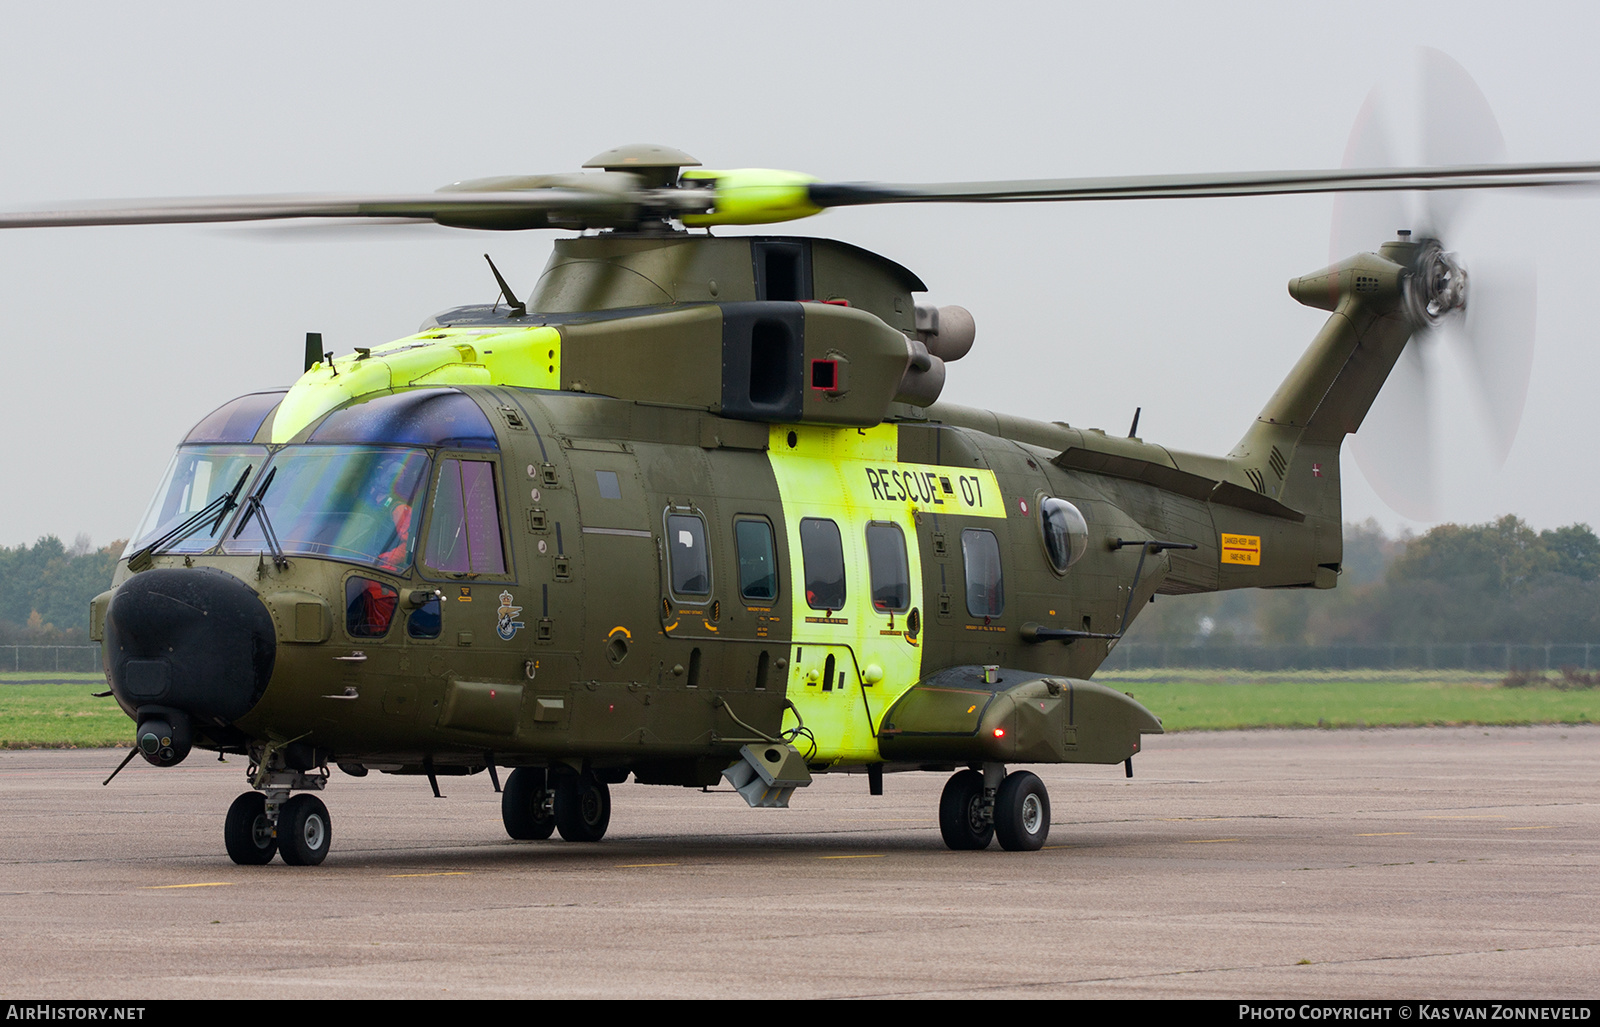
{"points": [[58, 659], [1499, 657]]}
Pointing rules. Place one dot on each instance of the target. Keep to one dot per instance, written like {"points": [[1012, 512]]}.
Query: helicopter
{"points": [[693, 512]]}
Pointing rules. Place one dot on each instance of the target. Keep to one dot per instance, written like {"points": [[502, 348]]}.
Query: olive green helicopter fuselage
{"points": [[696, 512]]}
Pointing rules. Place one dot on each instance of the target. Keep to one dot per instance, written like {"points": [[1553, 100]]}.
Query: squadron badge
{"points": [[506, 626]]}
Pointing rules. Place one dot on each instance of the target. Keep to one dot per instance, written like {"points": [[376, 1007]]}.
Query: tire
{"points": [[961, 819], [246, 832], [304, 831], [583, 807], [1022, 812], [522, 805]]}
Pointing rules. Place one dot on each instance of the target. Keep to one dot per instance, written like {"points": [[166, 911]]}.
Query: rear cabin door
{"points": [[856, 581]]}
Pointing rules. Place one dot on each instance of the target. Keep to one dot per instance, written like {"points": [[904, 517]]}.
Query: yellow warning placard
{"points": [[1244, 549]]}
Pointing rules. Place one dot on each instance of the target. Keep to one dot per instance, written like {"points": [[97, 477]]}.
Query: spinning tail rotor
{"points": [[1482, 318]]}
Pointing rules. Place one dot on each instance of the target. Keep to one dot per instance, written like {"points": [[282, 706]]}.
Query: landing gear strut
{"points": [[978, 806]]}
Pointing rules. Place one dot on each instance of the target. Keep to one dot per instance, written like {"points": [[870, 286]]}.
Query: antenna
{"points": [[313, 349], [1133, 429], [518, 308]]}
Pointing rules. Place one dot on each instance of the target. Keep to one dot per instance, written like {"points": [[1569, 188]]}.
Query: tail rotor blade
{"points": [[1458, 127], [1395, 447], [1362, 220], [1497, 336]]}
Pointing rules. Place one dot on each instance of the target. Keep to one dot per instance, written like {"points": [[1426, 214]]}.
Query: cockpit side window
{"points": [[464, 532]]}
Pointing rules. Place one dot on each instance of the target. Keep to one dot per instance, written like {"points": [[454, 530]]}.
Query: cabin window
{"points": [[1066, 533], [369, 607], [686, 552], [980, 556], [426, 620], [887, 567], [823, 552], [464, 532], [758, 561]]}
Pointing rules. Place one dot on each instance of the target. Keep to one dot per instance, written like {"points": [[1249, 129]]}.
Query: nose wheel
{"points": [[304, 831], [259, 827], [248, 833], [979, 806]]}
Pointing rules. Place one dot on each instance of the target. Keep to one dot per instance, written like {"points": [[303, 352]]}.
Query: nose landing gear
{"points": [[269, 821], [978, 806]]}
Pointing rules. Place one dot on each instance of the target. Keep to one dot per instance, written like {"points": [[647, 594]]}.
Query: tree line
{"points": [[1495, 582], [45, 589]]}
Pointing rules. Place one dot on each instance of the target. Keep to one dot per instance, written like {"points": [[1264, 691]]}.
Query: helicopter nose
{"points": [[189, 651]]}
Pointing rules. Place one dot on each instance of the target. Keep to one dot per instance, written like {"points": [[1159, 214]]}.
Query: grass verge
{"points": [[1215, 700], [37, 711]]}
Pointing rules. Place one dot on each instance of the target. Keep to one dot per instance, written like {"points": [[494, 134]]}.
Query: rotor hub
{"points": [[656, 166], [1436, 286]]}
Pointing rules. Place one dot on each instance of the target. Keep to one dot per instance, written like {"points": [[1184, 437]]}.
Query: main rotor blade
{"points": [[432, 205], [611, 207], [1147, 187]]}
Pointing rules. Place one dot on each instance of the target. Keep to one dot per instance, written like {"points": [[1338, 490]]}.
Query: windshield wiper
{"points": [[221, 507], [254, 507]]}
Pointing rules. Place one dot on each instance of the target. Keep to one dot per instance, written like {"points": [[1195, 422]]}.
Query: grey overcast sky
{"points": [[118, 340]]}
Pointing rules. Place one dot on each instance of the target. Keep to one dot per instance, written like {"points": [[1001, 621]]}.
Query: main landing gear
{"points": [[538, 802], [980, 805]]}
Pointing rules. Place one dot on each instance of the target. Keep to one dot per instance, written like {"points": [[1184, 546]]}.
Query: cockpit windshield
{"points": [[351, 503], [197, 476]]}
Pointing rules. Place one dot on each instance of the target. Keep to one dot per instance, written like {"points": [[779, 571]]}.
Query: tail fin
{"points": [[1291, 452]]}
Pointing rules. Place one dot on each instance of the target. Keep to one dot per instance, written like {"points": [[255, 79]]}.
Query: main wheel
{"points": [[1022, 812], [304, 831], [583, 807], [522, 805], [961, 819], [246, 832]]}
